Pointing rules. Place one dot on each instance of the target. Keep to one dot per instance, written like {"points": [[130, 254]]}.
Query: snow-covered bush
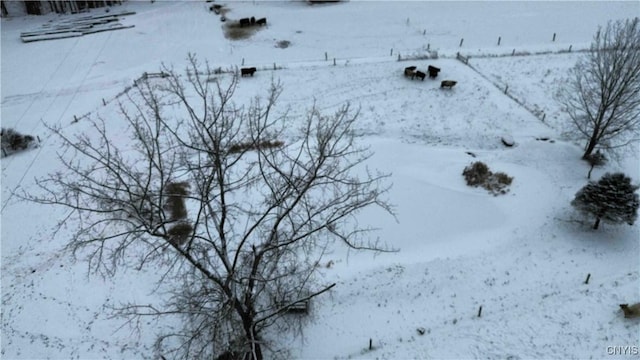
{"points": [[478, 174], [612, 199]]}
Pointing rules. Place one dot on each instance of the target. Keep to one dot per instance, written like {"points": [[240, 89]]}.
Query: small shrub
{"points": [[503, 178], [478, 174], [13, 141]]}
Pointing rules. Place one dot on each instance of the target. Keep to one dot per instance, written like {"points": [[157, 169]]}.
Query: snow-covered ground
{"points": [[522, 256]]}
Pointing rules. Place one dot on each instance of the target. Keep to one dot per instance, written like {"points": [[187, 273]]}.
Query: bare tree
{"points": [[603, 95], [237, 202]]}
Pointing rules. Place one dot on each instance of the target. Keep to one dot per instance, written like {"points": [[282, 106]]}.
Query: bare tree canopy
{"points": [[239, 203], [602, 98]]}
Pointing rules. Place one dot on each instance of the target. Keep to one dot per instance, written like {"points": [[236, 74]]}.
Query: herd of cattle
{"points": [[410, 71], [413, 72]]}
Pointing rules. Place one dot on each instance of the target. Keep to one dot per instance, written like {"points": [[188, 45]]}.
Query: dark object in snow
{"points": [[470, 154], [247, 71], [420, 75], [300, 307], [478, 174], [508, 141], [448, 84], [253, 20], [229, 355], [630, 311], [433, 71], [244, 22], [587, 280], [12, 141], [261, 22], [480, 311], [410, 71], [223, 19], [421, 330], [612, 199]]}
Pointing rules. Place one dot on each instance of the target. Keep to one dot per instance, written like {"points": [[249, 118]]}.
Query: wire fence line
{"points": [[425, 53]]}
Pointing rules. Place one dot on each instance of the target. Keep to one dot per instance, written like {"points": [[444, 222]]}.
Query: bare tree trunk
{"points": [[591, 145]]}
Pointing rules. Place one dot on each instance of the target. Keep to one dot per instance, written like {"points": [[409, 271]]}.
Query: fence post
{"points": [[334, 61], [399, 57], [274, 66], [506, 88], [326, 56], [570, 46], [554, 37], [391, 54], [242, 61], [104, 103], [499, 38], [513, 52], [428, 47], [461, 41]]}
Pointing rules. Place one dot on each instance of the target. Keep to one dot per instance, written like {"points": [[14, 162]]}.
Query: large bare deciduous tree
{"points": [[235, 204], [602, 97]]}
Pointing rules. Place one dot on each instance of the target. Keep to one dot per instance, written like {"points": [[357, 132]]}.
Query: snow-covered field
{"points": [[522, 256]]}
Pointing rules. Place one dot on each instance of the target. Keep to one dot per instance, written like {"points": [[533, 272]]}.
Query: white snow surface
{"points": [[523, 256]]}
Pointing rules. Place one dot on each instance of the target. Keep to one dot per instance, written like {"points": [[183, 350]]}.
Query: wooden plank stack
{"points": [[76, 27]]}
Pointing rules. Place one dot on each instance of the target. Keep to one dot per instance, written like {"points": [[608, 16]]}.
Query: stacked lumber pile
{"points": [[76, 27]]}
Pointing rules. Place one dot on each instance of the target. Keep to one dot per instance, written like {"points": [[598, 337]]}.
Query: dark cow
{"points": [[245, 22], [447, 84], [433, 71], [410, 71], [420, 75], [247, 71], [261, 22]]}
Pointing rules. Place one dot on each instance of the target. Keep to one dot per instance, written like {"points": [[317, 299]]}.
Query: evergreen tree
{"points": [[611, 199]]}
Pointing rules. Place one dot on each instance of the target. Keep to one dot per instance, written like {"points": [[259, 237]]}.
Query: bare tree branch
{"points": [[232, 200], [603, 96]]}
